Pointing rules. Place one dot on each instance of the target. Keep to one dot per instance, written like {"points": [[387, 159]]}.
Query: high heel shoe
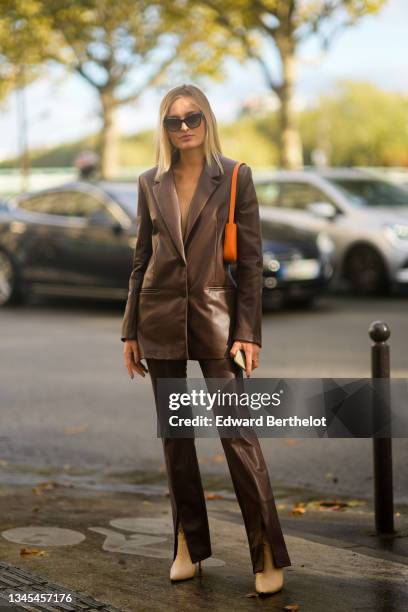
{"points": [[270, 580], [183, 568]]}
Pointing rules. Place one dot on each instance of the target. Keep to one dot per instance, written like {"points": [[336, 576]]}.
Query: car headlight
{"points": [[270, 262], [324, 243], [397, 230]]}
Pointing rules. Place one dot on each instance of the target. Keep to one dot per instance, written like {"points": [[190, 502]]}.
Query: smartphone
{"points": [[240, 359], [143, 366]]}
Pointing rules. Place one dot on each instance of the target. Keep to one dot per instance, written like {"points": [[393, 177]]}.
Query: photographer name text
{"points": [[259, 421]]}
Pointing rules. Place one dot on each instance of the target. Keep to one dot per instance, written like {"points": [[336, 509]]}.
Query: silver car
{"points": [[365, 216]]}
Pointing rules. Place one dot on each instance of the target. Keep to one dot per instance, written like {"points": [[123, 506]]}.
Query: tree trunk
{"points": [[290, 149], [109, 139]]}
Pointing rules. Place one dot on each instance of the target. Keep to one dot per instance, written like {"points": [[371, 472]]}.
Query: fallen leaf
{"points": [[209, 495], [253, 594], [3, 462], [292, 607], [43, 486], [329, 504], [332, 505], [353, 503], [218, 458], [35, 552], [299, 508]]}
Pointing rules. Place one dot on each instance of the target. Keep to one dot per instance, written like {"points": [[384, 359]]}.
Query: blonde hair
{"points": [[165, 150]]}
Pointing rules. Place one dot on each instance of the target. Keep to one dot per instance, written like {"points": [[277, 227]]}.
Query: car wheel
{"points": [[365, 271], [10, 289]]}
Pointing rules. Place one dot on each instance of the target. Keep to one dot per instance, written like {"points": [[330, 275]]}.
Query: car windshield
{"points": [[372, 193]]}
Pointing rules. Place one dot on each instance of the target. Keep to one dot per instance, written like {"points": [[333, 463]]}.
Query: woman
{"points": [[184, 305]]}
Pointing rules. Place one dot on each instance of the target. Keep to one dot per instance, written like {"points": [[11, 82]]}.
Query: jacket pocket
{"points": [[221, 288], [149, 290]]}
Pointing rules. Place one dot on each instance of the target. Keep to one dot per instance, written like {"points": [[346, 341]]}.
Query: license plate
{"points": [[301, 269]]}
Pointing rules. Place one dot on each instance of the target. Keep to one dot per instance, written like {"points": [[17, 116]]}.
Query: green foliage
{"points": [[358, 124], [26, 39], [251, 139], [110, 43], [284, 25], [62, 155], [202, 34]]}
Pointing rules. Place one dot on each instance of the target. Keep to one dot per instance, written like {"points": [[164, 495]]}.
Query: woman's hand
{"points": [[251, 351], [132, 358]]}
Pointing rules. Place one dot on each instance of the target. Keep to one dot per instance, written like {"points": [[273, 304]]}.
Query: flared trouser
{"points": [[248, 471]]}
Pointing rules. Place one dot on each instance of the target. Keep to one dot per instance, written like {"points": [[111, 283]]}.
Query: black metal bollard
{"points": [[382, 447]]}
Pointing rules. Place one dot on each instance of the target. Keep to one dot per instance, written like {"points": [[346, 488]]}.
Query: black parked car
{"points": [[297, 264], [78, 239]]}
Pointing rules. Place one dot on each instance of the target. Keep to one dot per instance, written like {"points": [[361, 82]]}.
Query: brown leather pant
{"points": [[247, 468]]}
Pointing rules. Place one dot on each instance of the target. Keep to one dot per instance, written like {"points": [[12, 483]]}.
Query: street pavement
{"points": [[116, 548], [67, 402]]}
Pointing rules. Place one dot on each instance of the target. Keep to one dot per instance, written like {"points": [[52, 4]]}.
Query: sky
{"points": [[63, 109]]}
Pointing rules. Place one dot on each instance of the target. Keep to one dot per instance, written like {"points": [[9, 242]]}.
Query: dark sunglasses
{"points": [[173, 124]]}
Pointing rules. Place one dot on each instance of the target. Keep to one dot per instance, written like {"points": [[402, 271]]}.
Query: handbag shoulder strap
{"points": [[233, 192]]}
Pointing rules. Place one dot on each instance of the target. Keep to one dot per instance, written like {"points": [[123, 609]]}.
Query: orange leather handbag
{"points": [[230, 239]]}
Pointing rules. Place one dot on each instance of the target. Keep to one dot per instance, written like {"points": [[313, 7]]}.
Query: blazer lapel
{"points": [[209, 180], [166, 196]]}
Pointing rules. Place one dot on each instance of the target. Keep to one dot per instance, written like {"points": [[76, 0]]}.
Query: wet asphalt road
{"points": [[67, 401]]}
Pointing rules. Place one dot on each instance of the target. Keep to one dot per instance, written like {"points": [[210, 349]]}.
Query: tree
{"points": [[111, 44], [25, 41], [286, 24], [359, 124]]}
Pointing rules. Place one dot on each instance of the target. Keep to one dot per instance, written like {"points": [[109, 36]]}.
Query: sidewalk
{"points": [[112, 551]]}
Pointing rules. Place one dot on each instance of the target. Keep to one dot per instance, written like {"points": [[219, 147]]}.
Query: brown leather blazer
{"points": [[182, 301]]}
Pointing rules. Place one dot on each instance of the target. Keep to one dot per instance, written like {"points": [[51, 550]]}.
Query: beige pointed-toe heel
{"points": [[270, 580], [183, 568]]}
